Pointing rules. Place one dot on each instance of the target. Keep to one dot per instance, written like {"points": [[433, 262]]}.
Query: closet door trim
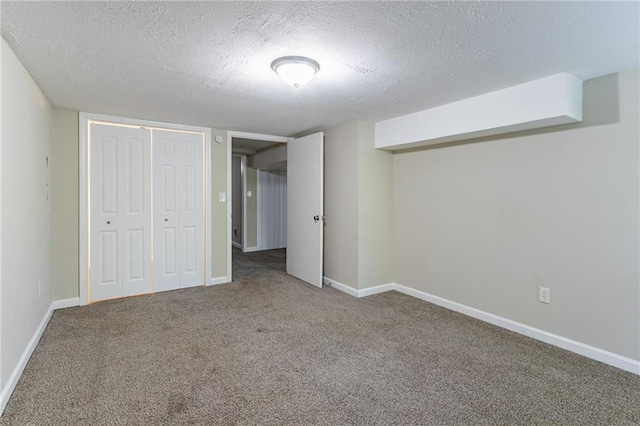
{"points": [[83, 196]]}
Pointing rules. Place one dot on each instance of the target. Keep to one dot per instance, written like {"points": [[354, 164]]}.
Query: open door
{"points": [[305, 208]]}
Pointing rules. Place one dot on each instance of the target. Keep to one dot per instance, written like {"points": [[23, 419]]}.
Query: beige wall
{"points": [[25, 217], [341, 204], [357, 193], [64, 181], [375, 192], [272, 158], [485, 224], [219, 210], [236, 199], [252, 207]]}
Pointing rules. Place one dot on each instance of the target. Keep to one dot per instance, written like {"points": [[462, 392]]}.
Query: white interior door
{"points": [[120, 206], [305, 208], [178, 210]]}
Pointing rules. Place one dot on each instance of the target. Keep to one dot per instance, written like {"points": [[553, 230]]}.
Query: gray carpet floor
{"points": [[268, 349]]}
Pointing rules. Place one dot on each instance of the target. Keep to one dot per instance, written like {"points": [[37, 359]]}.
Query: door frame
{"points": [[83, 188], [244, 135]]}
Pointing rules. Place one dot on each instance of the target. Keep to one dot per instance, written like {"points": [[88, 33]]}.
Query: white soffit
{"points": [[541, 103]]}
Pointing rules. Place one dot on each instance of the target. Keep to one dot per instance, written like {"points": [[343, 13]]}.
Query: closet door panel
{"points": [[166, 220], [119, 211], [191, 205], [146, 210], [135, 175], [105, 224]]}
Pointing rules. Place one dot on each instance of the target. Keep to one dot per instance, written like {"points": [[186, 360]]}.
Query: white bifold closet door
{"points": [[178, 219], [120, 211]]}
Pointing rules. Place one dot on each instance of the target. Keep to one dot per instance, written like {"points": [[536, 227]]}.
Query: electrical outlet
{"points": [[544, 295], [40, 289]]}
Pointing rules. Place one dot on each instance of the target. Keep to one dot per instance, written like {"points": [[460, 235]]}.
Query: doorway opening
{"points": [[304, 217], [258, 196]]}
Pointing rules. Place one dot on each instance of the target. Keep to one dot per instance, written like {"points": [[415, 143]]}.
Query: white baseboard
{"points": [[66, 303], [237, 245], [375, 290], [250, 249], [339, 286], [355, 292], [579, 348], [218, 280], [24, 359]]}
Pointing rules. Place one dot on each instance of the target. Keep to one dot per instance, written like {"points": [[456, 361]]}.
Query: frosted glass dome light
{"points": [[295, 70]]}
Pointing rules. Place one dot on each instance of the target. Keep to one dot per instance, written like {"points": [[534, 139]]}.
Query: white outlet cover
{"points": [[544, 295]]}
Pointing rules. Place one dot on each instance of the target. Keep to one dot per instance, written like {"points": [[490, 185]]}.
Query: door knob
{"points": [[166, 220], [316, 218], [108, 222]]}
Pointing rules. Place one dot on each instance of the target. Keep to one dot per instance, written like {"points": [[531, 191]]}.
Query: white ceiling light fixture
{"points": [[295, 70]]}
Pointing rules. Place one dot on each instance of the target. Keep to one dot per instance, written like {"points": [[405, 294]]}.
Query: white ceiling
{"points": [[208, 63]]}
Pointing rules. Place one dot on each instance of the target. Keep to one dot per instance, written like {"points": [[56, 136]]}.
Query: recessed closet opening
{"points": [[144, 206]]}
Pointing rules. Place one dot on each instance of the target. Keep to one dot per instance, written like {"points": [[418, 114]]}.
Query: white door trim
{"points": [[83, 159], [258, 137], [245, 135]]}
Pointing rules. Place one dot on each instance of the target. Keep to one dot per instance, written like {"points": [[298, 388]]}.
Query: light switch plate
{"points": [[222, 197], [249, 194]]}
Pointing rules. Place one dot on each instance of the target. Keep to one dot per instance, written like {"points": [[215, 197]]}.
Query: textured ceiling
{"points": [[208, 63]]}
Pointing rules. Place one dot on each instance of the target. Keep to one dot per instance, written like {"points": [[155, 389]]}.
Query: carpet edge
{"points": [[592, 352], [8, 389]]}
